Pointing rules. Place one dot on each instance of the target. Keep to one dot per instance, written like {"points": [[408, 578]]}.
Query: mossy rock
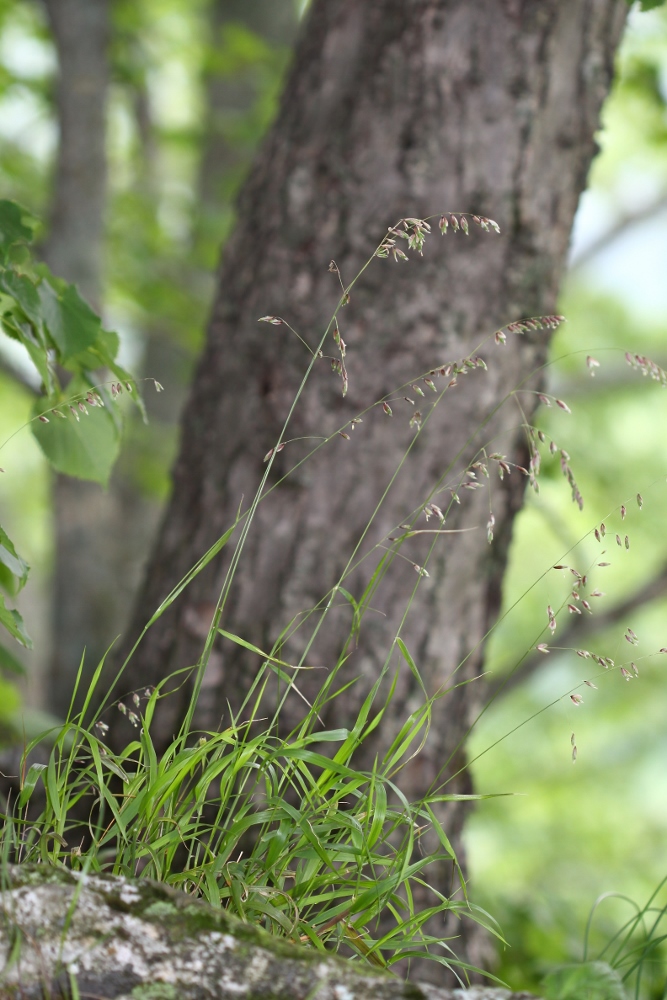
{"points": [[64, 932]]}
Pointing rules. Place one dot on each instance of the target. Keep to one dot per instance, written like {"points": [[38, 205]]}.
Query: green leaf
{"points": [[12, 561], [39, 358], [7, 581], [326, 736], [647, 4], [16, 225], [13, 622], [254, 649], [31, 779], [53, 791], [584, 981], [101, 354], [410, 662], [72, 324], [24, 292], [85, 448], [26, 335]]}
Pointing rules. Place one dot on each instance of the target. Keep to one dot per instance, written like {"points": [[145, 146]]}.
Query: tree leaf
{"points": [[26, 334], [24, 292], [85, 448], [13, 622], [73, 325], [10, 558], [584, 981], [15, 225], [101, 354], [31, 779]]}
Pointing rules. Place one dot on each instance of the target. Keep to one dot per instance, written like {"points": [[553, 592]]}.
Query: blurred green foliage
{"points": [[575, 830], [649, 4], [584, 981], [161, 243]]}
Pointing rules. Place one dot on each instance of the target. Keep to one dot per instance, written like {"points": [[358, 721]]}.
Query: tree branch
{"points": [[625, 222]]}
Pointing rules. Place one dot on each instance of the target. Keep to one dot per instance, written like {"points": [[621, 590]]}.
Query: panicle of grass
{"points": [[647, 367]]}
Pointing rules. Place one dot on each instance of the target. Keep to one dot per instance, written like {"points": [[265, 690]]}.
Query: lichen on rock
{"points": [[103, 936]]}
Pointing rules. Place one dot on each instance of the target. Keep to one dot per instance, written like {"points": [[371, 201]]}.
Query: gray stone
{"points": [[122, 939]]}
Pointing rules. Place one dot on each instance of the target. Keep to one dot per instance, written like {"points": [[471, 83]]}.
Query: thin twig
{"points": [[625, 222]]}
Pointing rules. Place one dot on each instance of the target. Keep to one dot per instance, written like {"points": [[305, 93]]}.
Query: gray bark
{"points": [[124, 939], [391, 110], [83, 601], [74, 248]]}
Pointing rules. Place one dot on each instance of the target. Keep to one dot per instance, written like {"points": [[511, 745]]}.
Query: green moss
{"points": [[182, 917], [155, 991], [159, 910], [36, 875]]}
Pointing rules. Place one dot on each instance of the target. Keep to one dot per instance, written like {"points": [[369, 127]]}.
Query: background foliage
{"points": [[577, 831]]}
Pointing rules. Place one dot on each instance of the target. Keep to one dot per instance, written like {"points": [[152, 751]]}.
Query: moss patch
{"points": [[155, 991]]}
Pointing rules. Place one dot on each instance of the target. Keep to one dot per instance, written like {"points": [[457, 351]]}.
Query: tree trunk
{"points": [[392, 109], [81, 31], [84, 601], [99, 535], [102, 538]]}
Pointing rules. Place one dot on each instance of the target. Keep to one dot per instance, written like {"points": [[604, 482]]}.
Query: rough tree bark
{"points": [[391, 109]]}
